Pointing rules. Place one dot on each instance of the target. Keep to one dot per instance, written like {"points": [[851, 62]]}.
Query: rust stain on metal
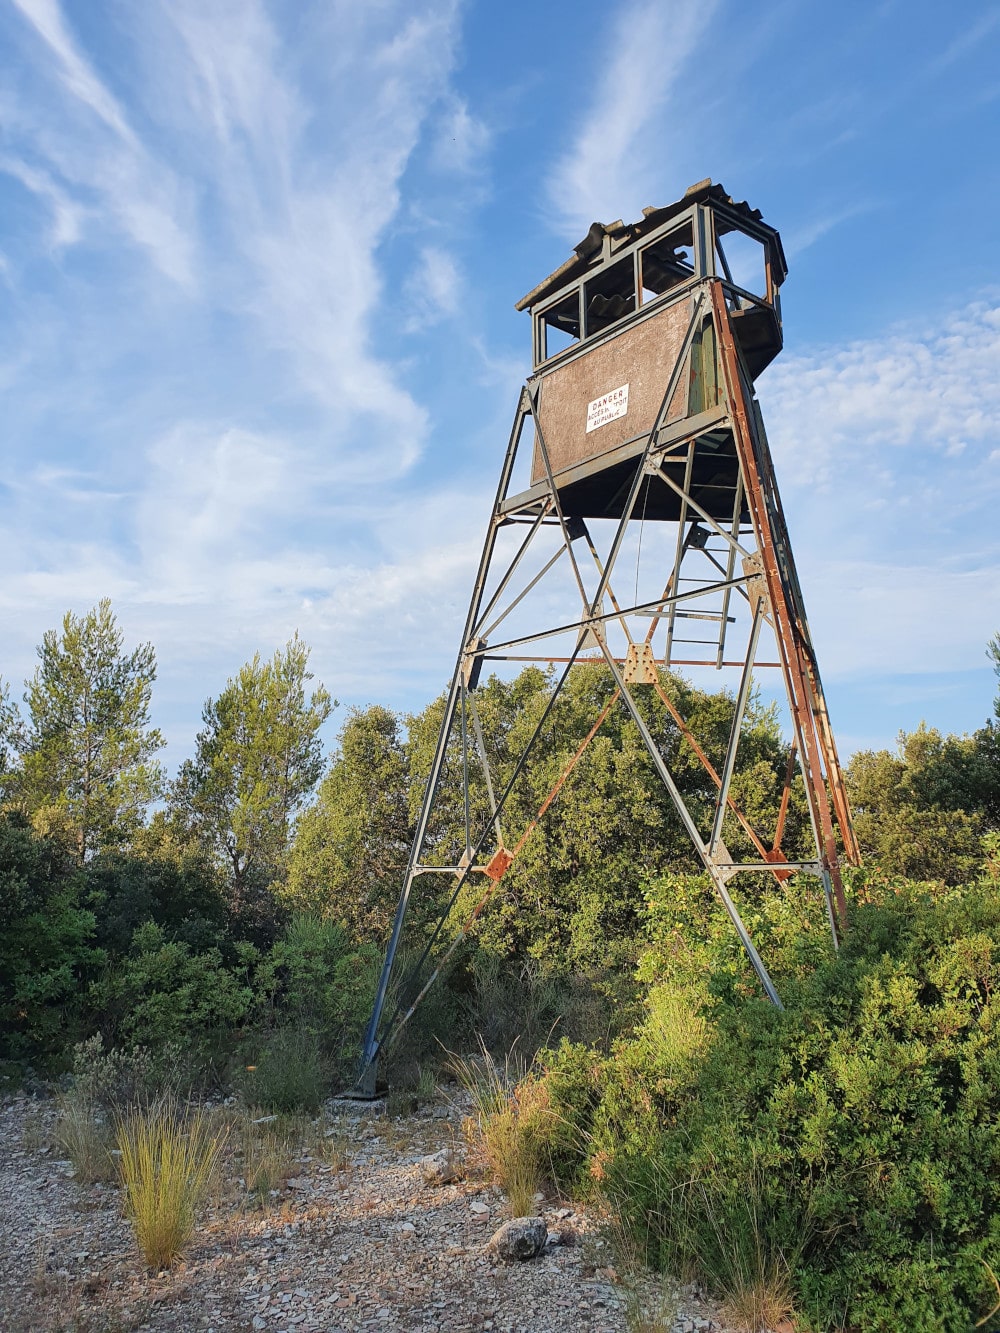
{"points": [[499, 865]]}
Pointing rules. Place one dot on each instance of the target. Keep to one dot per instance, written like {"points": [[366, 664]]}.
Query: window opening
{"points": [[667, 263], [744, 262], [609, 296], [559, 326]]}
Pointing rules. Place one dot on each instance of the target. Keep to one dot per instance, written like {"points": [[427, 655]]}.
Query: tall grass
{"points": [[82, 1133], [737, 1235], [267, 1158], [290, 1074], [509, 1129], [167, 1163]]}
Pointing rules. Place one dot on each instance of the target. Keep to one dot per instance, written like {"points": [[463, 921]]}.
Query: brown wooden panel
{"points": [[642, 356]]}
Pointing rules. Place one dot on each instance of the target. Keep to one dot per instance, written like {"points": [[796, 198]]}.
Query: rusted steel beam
{"points": [[788, 634], [709, 768]]}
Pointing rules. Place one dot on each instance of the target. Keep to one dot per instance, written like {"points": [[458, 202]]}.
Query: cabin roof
{"points": [[588, 252]]}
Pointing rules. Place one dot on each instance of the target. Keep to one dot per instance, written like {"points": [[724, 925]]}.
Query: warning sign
{"points": [[609, 407]]}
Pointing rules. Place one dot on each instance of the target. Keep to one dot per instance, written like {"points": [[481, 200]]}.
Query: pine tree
{"points": [[259, 755], [88, 766]]}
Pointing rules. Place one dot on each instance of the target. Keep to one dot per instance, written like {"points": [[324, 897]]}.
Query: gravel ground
{"points": [[368, 1246]]}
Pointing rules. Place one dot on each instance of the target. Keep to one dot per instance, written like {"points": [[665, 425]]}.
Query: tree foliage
{"points": [[923, 811], [351, 845], [259, 756], [573, 895], [45, 942], [11, 742], [87, 765]]}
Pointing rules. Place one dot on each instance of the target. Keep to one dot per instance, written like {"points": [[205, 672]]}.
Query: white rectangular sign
{"points": [[609, 407]]}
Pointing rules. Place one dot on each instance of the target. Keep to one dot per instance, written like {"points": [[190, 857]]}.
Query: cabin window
{"points": [[609, 296], [559, 326], [666, 263], [743, 262]]}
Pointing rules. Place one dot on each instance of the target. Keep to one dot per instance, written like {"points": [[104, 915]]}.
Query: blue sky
{"points": [[258, 350]]}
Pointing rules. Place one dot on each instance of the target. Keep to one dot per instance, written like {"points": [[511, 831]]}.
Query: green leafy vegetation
{"points": [[837, 1162]]}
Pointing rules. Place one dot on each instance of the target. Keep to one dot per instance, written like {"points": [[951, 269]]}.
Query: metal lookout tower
{"points": [[637, 524]]}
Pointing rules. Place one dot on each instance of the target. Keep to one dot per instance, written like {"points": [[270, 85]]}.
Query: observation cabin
{"points": [[608, 328]]}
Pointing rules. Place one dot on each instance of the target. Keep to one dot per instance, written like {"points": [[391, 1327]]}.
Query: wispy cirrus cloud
{"points": [[96, 164], [201, 424], [623, 139], [46, 18]]}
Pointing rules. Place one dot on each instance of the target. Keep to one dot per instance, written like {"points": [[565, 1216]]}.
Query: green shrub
{"points": [[861, 1123], [112, 1080], [44, 941], [179, 891], [289, 1073], [164, 992], [315, 979]]}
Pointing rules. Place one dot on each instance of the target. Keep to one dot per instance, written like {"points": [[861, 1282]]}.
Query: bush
{"points": [[315, 980], [290, 1073], [111, 1080], [165, 992], [44, 941], [521, 1002], [851, 1139], [180, 892]]}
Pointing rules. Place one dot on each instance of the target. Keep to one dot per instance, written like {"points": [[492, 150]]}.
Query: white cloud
{"points": [[934, 392], [462, 140], [307, 224], [67, 216], [252, 430], [972, 36], [874, 617], [101, 155], [807, 233], [641, 60], [884, 450], [47, 19], [432, 290]]}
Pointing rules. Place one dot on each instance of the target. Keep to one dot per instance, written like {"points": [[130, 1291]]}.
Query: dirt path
{"points": [[366, 1247]]}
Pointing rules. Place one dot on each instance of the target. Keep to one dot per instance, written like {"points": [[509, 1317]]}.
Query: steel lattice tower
{"points": [[640, 421]]}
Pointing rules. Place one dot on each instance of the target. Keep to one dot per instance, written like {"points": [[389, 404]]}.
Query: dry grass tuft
{"points": [[510, 1126], [83, 1135], [331, 1147], [267, 1159], [762, 1301], [167, 1164], [751, 1268]]}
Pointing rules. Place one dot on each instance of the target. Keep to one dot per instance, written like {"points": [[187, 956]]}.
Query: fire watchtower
{"points": [[637, 524]]}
